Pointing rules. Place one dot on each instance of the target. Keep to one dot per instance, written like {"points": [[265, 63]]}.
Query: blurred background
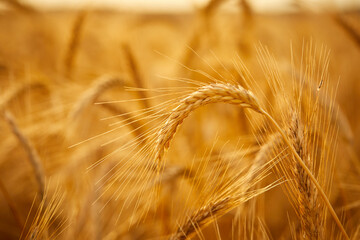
{"points": [[185, 5]]}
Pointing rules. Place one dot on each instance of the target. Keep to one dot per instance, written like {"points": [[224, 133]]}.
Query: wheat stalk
{"points": [[232, 94]]}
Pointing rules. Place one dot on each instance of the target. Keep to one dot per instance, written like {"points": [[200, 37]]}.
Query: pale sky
{"points": [[183, 5]]}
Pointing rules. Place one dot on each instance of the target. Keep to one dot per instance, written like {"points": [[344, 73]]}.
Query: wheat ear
{"points": [[135, 74], [205, 214], [31, 152], [18, 91], [219, 206], [93, 94], [308, 172], [232, 94], [101, 85], [308, 203], [213, 93], [200, 218]]}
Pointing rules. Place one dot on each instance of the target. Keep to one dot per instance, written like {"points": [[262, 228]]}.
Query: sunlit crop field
{"points": [[205, 125]]}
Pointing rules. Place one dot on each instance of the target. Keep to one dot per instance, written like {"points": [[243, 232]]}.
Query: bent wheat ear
{"points": [[213, 93], [233, 94]]}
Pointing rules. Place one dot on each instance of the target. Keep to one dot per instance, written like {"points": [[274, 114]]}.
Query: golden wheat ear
{"points": [[311, 127], [213, 93], [232, 94], [309, 208], [228, 191]]}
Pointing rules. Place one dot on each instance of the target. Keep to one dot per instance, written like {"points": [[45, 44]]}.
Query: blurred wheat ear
{"points": [[31, 152], [74, 43]]}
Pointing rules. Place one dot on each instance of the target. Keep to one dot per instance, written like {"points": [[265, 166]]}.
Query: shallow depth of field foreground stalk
{"points": [[233, 94]]}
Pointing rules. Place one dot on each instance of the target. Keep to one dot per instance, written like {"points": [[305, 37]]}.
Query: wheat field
{"points": [[213, 124]]}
